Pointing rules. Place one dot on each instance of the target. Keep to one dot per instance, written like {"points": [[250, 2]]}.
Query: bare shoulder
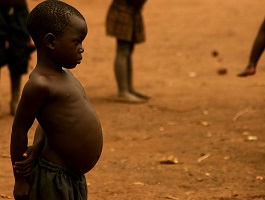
{"points": [[34, 95], [37, 82], [37, 87]]}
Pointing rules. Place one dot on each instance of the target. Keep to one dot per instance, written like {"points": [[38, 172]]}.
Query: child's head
{"points": [[50, 16]]}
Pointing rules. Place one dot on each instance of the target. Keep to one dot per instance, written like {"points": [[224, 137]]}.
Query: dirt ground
{"points": [[210, 126]]}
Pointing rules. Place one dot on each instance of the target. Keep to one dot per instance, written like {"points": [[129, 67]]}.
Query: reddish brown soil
{"points": [[195, 113]]}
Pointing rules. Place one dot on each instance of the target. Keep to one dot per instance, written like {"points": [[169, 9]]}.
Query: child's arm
{"points": [[33, 97], [18, 146], [32, 153]]}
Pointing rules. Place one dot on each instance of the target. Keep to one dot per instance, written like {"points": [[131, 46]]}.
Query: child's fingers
{"points": [[25, 172], [23, 168], [27, 161], [24, 163]]}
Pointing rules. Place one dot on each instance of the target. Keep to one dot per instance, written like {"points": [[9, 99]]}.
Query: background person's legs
{"points": [[130, 75], [19, 51], [123, 72], [256, 51]]}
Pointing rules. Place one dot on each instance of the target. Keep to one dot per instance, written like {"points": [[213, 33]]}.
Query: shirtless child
{"points": [[69, 136]]}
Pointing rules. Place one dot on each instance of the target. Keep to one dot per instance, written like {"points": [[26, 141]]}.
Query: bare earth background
{"points": [[212, 124]]}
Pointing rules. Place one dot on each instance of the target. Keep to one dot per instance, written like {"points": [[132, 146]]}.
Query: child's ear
{"points": [[49, 40]]}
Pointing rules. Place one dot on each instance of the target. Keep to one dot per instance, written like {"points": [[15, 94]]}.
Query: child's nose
{"points": [[81, 50]]}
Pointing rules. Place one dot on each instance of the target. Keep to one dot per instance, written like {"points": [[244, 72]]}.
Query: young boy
{"points": [[15, 44], [125, 22], [256, 52], [69, 136]]}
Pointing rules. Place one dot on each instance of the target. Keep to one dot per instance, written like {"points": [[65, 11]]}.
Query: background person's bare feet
{"points": [[140, 95], [249, 71], [130, 98]]}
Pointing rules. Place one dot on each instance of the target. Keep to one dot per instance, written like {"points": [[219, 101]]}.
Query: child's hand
{"points": [[25, 166]]}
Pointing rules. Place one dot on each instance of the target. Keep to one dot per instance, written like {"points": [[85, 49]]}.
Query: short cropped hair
{"points": [[50, 16]]}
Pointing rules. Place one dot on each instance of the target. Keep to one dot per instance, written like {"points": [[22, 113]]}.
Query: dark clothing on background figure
{"points": [[50, 181], [15, 48], [125, 21]]}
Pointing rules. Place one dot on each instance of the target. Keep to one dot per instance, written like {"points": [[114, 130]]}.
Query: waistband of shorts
{"points": [[45, 164]]}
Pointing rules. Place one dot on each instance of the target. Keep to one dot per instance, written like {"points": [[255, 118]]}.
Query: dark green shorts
{"points": [[50, 181]]}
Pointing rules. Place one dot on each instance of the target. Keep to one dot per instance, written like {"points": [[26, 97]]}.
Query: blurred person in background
{"points": [[15, 44], [125, 23]]}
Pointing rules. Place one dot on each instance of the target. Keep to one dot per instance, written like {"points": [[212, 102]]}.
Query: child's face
{"points": [[68, 47]]}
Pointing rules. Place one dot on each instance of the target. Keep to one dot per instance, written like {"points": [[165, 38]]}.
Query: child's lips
{"points": [[79, 60]]}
